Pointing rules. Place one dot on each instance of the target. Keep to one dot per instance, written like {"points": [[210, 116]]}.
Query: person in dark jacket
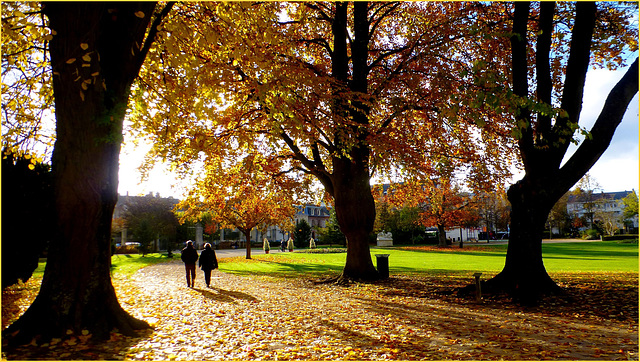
{"points": [[208, 262], [189, 256]]}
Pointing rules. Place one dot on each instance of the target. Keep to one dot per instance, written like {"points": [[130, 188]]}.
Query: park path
{"points": [[261, 318]]}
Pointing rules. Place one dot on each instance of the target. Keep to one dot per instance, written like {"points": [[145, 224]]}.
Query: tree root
{"points": [[344, 280], [526, 293], [40, 323]]}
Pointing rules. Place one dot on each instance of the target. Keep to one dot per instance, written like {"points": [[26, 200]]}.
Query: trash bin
{"points": [[382, 261]]}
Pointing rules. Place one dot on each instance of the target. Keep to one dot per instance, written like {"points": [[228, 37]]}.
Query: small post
{"points": [[478, 291], [382, 261]]}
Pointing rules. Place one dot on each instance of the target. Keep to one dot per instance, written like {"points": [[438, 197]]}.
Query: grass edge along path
{"points": [[602, 256]]}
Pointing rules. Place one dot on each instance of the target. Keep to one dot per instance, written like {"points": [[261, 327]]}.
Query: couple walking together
{"points": [[207, 262]]}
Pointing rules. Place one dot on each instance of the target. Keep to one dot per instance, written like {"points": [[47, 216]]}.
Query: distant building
{"points": [[597, 206], [316, 216]]}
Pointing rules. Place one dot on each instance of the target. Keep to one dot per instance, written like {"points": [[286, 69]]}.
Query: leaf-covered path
{"points": [[260, 318]]}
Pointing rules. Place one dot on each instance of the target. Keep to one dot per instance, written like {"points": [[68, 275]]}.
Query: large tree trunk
{"points": [[76, 292], [524, 275], [349, 183], [356, 213]]}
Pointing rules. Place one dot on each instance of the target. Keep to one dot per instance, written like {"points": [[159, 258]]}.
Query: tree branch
{"points": [[576, 73], [520, 81], [317, 170], [153, 31], [543, 68]]}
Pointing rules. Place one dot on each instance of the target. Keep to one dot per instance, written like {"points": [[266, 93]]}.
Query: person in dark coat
{"points": [[208, 262], [189, 256]]}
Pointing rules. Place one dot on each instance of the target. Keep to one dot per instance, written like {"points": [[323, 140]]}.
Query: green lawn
{"points": [[607, 256], [127, 264], [122, 264]]}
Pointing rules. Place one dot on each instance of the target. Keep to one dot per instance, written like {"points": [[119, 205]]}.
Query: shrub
{"points": [[127, 249], [591, 234]]}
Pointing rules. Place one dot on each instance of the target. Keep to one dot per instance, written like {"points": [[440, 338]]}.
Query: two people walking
{"points": [[207, 261]]}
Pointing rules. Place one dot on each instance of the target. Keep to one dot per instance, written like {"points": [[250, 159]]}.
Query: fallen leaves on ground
{"points": [[401, 318]]}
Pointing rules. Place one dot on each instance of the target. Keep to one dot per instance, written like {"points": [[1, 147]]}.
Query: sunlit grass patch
{"points": [[127, 264], [576, 257]]}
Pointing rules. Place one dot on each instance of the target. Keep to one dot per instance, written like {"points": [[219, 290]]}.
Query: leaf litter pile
{"points": [[401, 318]]}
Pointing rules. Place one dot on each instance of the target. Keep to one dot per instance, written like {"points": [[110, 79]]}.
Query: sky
{"points": [[617, 169]]}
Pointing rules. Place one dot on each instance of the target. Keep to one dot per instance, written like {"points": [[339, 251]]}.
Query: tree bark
{"points": [[442, 236], [91, 100], [356, 213], [524, 275], [247, 237], [349, 183]]}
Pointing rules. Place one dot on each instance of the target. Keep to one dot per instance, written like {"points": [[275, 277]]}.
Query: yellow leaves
{"points": [[84, 46], [86, 57], [139, 14], [70, 60]]}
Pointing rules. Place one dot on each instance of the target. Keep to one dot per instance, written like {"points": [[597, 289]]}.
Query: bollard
{"points": [[478, 291], [382, 261]]}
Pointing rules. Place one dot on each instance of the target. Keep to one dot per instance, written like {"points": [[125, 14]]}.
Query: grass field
{"points": [[607, 256], [122, 265]]}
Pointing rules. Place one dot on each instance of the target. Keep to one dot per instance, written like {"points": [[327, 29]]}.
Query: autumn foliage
{"points": [[440, 203], [245, 195]]}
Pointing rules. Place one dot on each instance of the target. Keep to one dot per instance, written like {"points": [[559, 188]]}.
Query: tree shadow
{"points": [[226, 296]]}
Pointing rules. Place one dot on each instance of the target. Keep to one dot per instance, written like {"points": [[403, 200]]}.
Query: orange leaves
{"points": [[245, 193], [253, 86]]}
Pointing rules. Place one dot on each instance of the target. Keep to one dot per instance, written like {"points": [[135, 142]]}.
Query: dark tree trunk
{"points": [[356, 213], [355, 206], [247, 238], [442, 236], [76, 292], [524, 275]]}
